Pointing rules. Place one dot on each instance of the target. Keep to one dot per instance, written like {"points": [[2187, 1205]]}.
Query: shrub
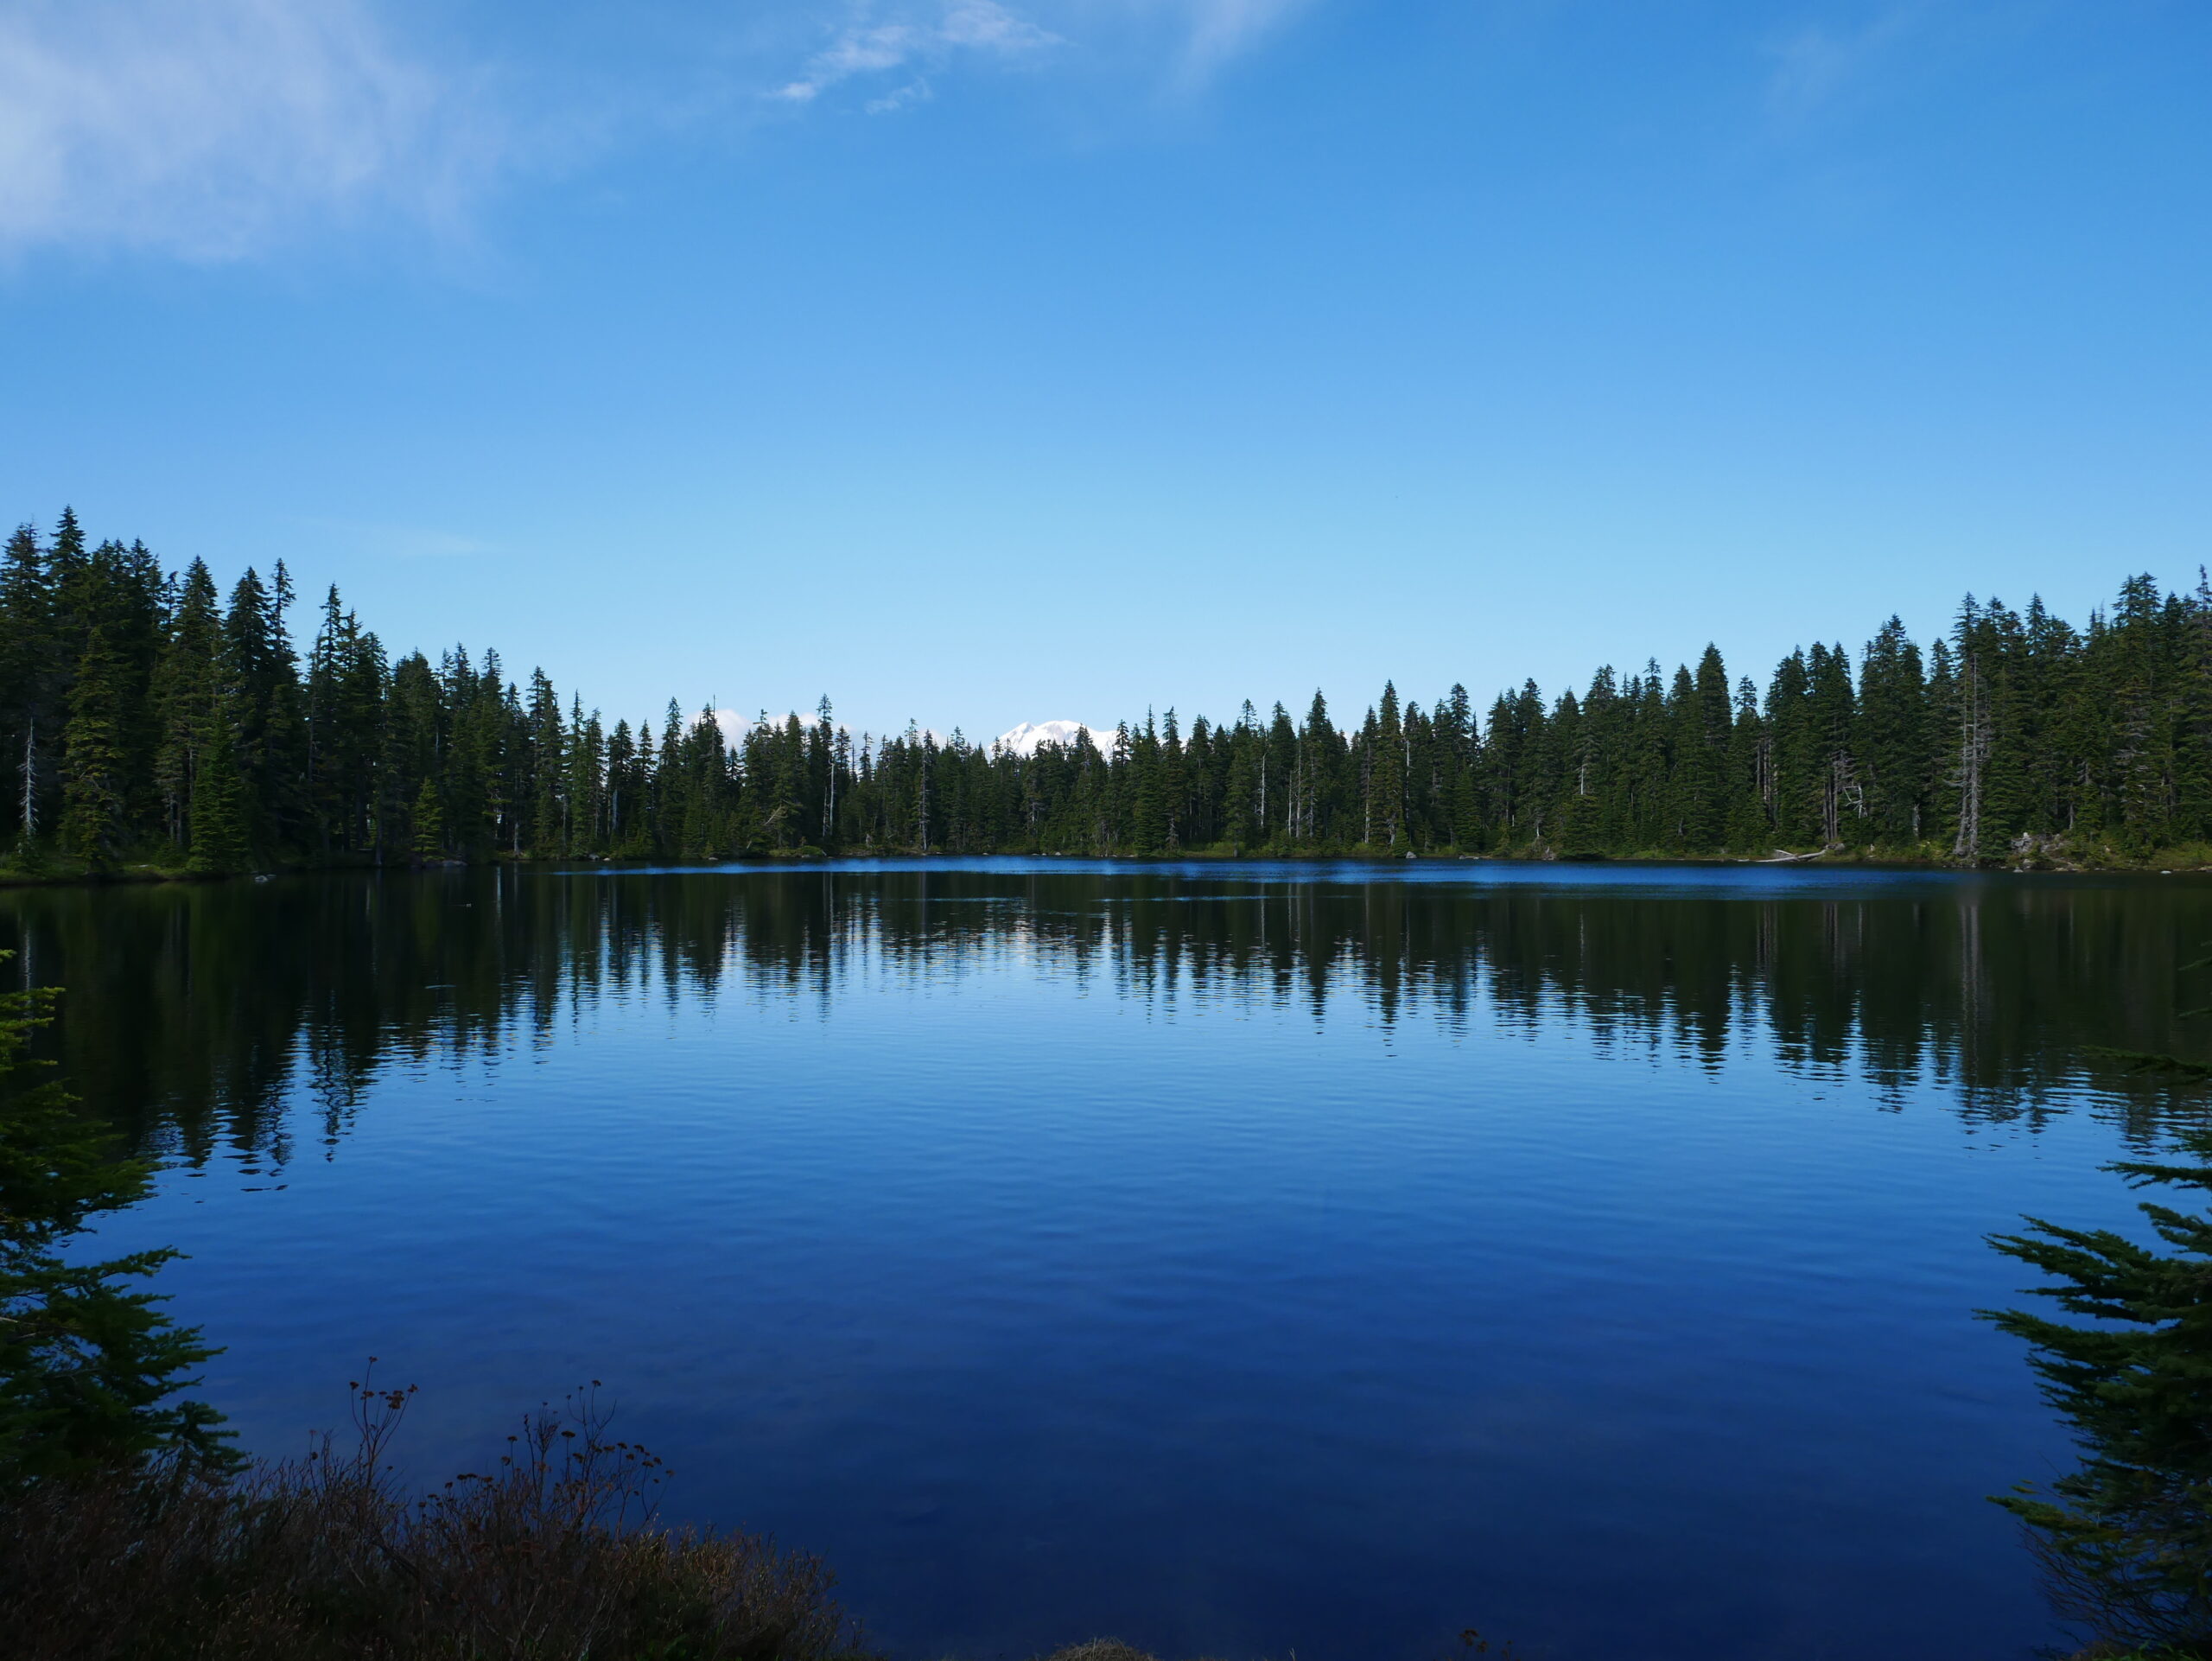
{"points": [[555, 1554]]}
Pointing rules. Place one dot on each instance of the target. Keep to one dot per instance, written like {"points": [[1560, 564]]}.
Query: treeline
{"points": [[146, 717]]}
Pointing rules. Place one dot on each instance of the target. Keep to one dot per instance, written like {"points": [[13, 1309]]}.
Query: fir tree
{"points": [[30, 667], [93, 756], [430, 817], [2126, 1539], [89, 1371], [220, 834], [184, 693]]}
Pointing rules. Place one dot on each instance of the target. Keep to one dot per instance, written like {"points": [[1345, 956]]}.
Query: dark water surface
{"points": [[1238, 1259]]}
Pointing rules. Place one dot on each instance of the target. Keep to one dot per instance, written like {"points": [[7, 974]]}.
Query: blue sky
{"points": [[984, 362]]}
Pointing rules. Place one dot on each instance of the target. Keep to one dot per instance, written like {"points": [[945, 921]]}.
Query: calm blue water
{"points": [[1235, 1259]]}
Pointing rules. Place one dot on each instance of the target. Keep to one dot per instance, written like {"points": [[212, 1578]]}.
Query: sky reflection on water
{"points": [[1237, 1258]]}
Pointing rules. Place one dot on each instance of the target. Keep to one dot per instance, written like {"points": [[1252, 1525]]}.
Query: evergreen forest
{"points": [[151, 722]]}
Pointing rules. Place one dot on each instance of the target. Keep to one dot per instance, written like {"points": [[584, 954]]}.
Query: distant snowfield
{"points": [[1025, 739], [1022, 740]]}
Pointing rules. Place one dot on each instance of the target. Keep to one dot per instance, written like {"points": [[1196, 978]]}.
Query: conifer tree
{"points": [[1893, 737], [1750, 771], [185, 692], [2126, 1539], [222, 836], [89, 1371], [29, 670], [1831, 713], [261, 686], [1703, 731], [1387, 773], [546, 749], [93, 756], [1974, 725], [430, 821]]}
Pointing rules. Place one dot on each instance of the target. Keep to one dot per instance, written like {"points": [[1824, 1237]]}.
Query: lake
{"points": [[1235, 1258]]}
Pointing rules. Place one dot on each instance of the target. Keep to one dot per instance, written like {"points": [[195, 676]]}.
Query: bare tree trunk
{"points": [[31, 776], [1974, 750]]}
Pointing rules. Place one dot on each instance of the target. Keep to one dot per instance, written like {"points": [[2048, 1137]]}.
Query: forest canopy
{"points": [[149, 719]]}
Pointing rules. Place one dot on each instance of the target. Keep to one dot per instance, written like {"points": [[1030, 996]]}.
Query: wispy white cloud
{"points": [[207, 128], [1186, 42], [1218, 30], [400, 541], [914, 91], [869, 44], [212, 129], [1814, 64]]}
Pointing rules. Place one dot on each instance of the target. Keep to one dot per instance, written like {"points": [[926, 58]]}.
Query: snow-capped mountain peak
{"points": [[1025, 739]]}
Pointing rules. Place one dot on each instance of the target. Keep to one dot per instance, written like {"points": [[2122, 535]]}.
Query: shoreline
{"points": [[2187, 861]]}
